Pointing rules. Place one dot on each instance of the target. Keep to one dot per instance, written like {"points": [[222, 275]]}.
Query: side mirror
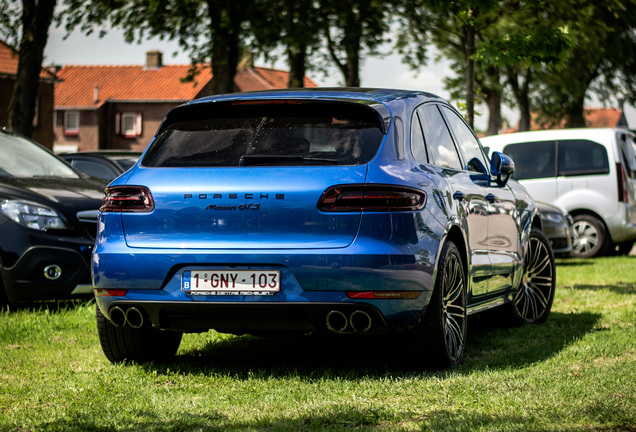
{"points": [[502, 167]]}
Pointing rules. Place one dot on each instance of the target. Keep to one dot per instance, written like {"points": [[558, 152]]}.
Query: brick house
{"points": [[43, 119], [121, 107]]}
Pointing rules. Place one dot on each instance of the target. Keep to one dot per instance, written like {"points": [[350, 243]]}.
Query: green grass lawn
{"points": [[576, 372]]}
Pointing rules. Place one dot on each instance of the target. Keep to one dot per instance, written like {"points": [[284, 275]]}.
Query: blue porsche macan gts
{"points": [[340, 211]]}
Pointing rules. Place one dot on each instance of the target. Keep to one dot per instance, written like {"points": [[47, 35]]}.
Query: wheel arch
{"points": [[455, 235]]}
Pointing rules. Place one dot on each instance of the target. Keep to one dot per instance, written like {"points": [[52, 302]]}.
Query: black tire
{"points": [[439, 340], [590, 237], [135, 345], [4, 300], [533, 299]]}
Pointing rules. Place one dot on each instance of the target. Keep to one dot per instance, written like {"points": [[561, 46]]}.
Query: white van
{"points": [[590, 173]]}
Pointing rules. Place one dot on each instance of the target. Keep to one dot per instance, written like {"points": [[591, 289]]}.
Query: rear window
{"points": [[266, 134], [582, 157]]}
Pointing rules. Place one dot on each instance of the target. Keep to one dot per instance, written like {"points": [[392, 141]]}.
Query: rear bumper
{"points": [[297, 312], [619, 225]]}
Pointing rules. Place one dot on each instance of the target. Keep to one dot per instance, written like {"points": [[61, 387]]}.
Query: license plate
{"points": [[231, 282]]}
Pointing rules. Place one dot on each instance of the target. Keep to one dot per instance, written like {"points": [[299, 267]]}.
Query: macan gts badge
{"points": [[349, 211], [247, 197]]}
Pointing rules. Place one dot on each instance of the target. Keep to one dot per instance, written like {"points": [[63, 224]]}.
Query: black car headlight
{"points": [[32, 215]]}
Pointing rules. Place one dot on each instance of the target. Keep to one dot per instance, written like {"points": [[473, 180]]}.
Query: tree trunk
{"points": [[575, 114], [470, 75], [36, 19], [296, 56], [225, 26], [494, 111], [522, 96]]}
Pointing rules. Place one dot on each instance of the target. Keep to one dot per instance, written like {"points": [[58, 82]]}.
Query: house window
{"points": [[128, 124], [71, 122]]}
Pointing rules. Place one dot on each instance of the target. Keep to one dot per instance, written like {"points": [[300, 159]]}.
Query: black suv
{"points": [[48, 222]]}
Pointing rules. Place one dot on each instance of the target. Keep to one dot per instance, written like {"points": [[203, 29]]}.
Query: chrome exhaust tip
{"points": [[336, 321], [117, 316], [134, 318], [360, 321]]}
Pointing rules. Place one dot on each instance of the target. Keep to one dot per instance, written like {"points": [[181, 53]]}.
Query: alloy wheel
{"points": [[454, 308], [534, 297]]}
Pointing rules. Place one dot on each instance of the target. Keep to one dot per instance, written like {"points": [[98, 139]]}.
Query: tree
{"points": [[211, 30], [352, 27], [454, 28], [33, 26], [295, 25], [602, 61]]}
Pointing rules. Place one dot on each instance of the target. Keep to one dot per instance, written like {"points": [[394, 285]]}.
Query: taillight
{"points": [[622, 183], [127, 199], [100, 292], [371, 198]]}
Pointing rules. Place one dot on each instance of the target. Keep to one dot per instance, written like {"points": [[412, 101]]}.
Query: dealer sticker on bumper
{"points": [[230, 282]]}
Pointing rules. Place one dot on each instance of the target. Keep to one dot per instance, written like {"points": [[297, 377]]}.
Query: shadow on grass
{"points": [[336, 417], [489, 346], [619, 288]]}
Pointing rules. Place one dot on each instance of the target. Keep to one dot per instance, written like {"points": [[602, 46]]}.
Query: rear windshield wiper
{"points": [[284, 159]]}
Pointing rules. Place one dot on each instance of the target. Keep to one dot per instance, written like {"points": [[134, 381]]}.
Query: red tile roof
{"points": [[9, 62], [88, 87], [602, 117], [85, 87]]}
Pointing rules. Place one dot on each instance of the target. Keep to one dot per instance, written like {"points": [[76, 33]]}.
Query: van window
{"points": [[533, 159], [582, 157]]}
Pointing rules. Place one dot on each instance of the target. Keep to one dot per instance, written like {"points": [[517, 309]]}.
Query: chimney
{"points": [[154, 59], [96, 94]]}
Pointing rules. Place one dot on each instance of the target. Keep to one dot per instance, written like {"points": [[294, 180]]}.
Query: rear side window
{"points": [[533, 159], [467, 142], [439, 143], [267, 134], [582, 157], [628, 153]]}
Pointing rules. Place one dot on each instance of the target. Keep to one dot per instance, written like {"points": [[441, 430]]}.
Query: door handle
{"points": [[459, 196], [491, 198]]}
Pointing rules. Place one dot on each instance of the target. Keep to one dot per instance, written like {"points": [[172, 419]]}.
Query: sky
{"points": [[386, 72]]}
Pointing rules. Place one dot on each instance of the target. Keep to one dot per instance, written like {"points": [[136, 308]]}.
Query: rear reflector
{"points": [[110, 292], [383, 294], [127, 199], [371, 198]]}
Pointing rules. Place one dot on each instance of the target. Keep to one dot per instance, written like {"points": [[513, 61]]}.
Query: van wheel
{"points": [[139, 345], [590, 237]]}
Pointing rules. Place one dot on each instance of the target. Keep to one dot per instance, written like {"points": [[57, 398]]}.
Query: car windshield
{"points": [[267, 133], [22, 158]]}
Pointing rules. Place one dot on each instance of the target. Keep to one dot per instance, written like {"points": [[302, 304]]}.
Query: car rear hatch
{"points": [[627, 174], [250, 175]]}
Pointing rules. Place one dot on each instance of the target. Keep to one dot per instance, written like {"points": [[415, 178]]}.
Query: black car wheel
{"points": [[439, 340], [533, 299], [590, 237], [140, 345]]}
